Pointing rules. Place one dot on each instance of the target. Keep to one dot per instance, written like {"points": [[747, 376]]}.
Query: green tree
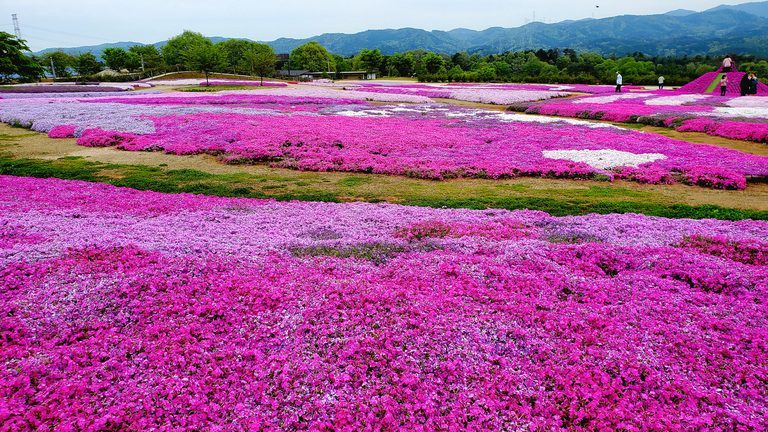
{"points": [[62, 63], [313, 57], [148, 54], [178, 48], [260, 59], [456, 74], [463, 60], [14, 64], [486, 73], [342, 64], [760, 68], [503, 70], [234, 52], [87, 65], [205, 58], [371, 60], [116, 59], [403, 63], [433, 62]]}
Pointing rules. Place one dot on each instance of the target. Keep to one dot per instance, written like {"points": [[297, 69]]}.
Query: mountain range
{"points": [[724, 29]]}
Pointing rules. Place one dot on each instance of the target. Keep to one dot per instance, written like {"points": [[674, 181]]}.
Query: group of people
{"points": [[747, 86]]}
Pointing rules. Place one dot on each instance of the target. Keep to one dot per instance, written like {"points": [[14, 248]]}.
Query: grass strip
{"points": [[316, 187]]}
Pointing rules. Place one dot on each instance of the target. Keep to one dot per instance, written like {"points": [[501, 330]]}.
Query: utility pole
{"points": [[16, 28], [141, 55], [53, 69]]}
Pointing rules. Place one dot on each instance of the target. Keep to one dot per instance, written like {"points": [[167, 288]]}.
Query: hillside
{"points": [[741, 28]]}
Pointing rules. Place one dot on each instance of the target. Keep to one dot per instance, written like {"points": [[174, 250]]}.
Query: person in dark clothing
{"points": [[723, 85], [752, 84], [744, 84]]}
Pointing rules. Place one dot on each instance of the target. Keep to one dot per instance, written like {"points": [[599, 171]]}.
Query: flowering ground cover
{"points": [[219, 82], [214, 82], [72, 95], [487, 94], [138, 310], [308, 132], [743, 118], [60, 89]]}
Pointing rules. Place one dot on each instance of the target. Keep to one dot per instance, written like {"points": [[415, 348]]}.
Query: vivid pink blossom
{"points": [[129, 310], [430, 148]]}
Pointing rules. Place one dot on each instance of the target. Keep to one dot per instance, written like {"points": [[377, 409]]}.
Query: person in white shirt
{"points": [[619, 82], [723, 85], [661, 82], [727, 64]]}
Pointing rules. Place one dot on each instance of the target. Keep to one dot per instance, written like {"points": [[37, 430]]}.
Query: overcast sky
{"points": [[59, 23]]}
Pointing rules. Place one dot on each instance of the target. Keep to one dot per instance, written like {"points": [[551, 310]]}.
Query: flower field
{"points": [[129, 310], [486, 94], [326, 129], [742, 118], [214, 82]]}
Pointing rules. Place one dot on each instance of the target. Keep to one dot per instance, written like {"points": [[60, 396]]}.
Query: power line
{"points": [[66, 33]]}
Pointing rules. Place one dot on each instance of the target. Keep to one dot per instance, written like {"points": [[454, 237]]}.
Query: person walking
{"points": [[619, 82], [723, 85], [727, 64], [744, 84], [661, 82]]}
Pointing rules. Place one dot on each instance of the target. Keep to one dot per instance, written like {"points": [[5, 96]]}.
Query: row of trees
{"points": [[193, 51], [547, 66], [189, 51]]}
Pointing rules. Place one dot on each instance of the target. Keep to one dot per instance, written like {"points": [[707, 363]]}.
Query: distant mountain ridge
{"points": [[724, 29], [755, 8]]}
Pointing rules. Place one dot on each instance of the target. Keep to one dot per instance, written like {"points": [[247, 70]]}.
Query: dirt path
{"points": [[21, 143]]}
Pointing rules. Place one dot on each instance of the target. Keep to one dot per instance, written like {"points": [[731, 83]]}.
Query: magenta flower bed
{"points": [[709, 115], [700, 84], [63, 131], [425, 141], [59, 89], [488, 94], [244, 83], [616, 112], [228, 99], [128, 310], [431, 148]]}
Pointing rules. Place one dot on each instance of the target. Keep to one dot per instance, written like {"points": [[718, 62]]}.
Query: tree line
{"points": [[548, 66], [194, 52]]}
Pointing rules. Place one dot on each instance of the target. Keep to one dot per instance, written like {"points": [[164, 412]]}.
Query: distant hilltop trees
{"points": [[191, 51]]}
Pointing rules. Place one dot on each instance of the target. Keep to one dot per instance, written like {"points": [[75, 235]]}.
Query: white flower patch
{"points": [[369, 113], [742, 112], [612, 98], [748, 102], [543, 119], [502, 96], [402, 109], [604, 159], [177, 82], [675, 100]]}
